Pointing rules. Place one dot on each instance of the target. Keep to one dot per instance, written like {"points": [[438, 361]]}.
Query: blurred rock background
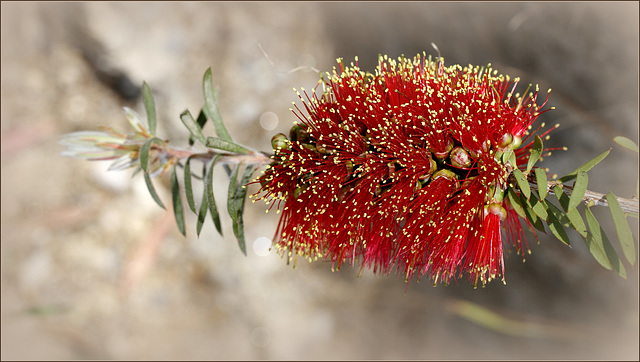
{"points": [[93, 269]]}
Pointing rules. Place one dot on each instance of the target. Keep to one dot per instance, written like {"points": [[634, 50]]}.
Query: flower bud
{"points": [[448, 174], [279, 141], [517, 141], [298, 133], [322, 149], [443, 153], [496, 209], [460, 158], [505, 140]]}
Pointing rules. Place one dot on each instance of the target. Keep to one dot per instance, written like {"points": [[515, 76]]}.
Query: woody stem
{"points": [[599, 199]]}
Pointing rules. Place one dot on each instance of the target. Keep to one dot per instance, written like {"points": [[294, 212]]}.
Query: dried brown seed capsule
{"points": [[460, 157]]}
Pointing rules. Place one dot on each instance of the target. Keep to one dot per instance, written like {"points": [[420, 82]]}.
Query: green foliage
{"points": [[150, 107], [223, 142], [536, 152], [178, 210], [627, 241], [211, 107]]}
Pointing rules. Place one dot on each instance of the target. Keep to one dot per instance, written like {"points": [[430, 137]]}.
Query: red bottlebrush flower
{"points": [[402, 169]]}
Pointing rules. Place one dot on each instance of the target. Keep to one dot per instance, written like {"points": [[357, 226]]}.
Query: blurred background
{"points": [[93, 269]]}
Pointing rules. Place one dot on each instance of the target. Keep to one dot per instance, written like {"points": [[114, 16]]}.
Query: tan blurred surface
{"points": [[93, 269]]}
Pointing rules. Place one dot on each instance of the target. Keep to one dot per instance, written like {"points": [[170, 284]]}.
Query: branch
{"points": [[599, 199]]}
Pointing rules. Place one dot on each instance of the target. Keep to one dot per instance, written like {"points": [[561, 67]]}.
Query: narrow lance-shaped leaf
{"points": [[150, 107], [541, 181], [208, 184], [211, 107], [600, 247], [202, 213], [515, 203], [572, 215], [221, 144], [523, 184], [554, 222], [585, 167], [531, 215], [536, 151], [239, 200], [627, 241], [202, 119], [192, 126], [510, 157], [539, 207], [152, 190], [144, 152], [188, 190], [178, 210], [627, 143], [579, 188], [231, 191]]}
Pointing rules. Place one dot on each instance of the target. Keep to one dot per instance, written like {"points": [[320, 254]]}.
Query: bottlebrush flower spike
{"points": [[403, 169]]}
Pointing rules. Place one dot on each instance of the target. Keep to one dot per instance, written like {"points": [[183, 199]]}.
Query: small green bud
{"points": [[505, 140], [279, 141], [299, 133], [442, 154], [448, 174], [460, 157], [517, 141], [496, 209]]}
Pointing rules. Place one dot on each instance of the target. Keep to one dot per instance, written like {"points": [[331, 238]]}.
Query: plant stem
{"points": [[599, 199], [255, 157]]}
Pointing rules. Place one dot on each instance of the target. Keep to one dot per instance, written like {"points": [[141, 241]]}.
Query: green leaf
{"points": [[538, 207], [627, 241], [579, 188], [541, 181], [192, 126], [236, 200], [202, 119], [510, 157], [600, 247], [188, 190], [531, 215], [202, 213], [523, 184], [152, 190], [144, 152], [211, 107], [515, 202], [221, 144], [536, 151], [572, 215], [586, 167], [208, 185], [178, 209], [627, 143], [555, 223], [231, 191], [150, 107]]}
